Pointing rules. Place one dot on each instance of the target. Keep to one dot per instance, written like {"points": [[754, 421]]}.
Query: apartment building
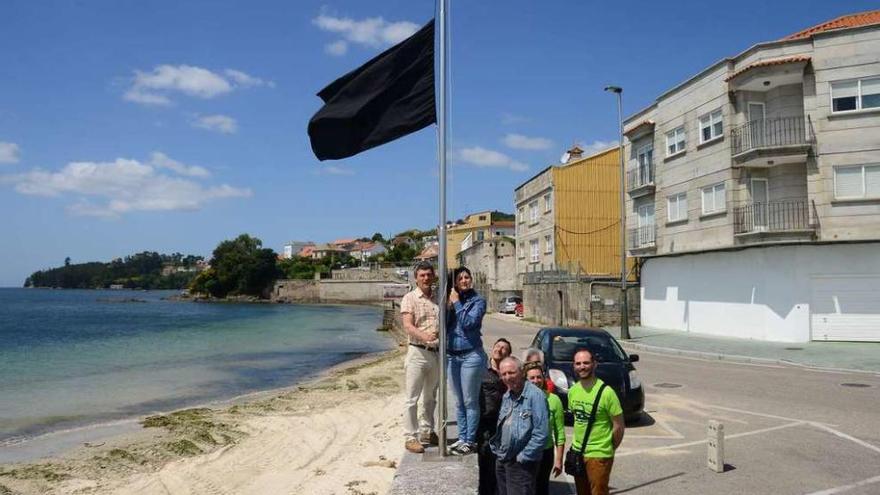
{"points": [[568, 216], [753, 191], [475, 228]]}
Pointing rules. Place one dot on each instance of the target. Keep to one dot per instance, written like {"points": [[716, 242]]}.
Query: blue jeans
{"points": [[466, 373]]}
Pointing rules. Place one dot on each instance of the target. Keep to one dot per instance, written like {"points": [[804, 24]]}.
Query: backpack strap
{"points": [[592, 419]]}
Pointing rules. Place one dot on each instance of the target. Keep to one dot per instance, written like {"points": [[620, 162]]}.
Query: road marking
{"points": [[698, 442], [771, 416], [847, 437], [844, 488]]}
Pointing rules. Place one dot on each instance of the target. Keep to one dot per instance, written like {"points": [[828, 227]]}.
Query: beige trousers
{"points": [[422, 369]]}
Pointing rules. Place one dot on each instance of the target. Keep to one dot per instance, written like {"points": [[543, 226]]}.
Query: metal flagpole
{"points": [[441, 230]]}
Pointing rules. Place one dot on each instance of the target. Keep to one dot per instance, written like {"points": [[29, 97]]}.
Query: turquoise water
{"points": [[73, 358]]}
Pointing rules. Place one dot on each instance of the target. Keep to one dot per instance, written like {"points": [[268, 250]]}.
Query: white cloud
{"points": [[337, 48], [123, 186], [161, 160], [9, 152], [597, 146], [217, 123], [152, 88], [334, 170], [246, 80], [483, 157], [520, 142], [373, 31]]}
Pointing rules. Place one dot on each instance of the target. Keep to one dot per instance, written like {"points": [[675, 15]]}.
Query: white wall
{"points": [[758, 293]]}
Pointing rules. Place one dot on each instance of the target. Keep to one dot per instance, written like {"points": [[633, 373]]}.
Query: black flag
{"points": [[387, 98]]}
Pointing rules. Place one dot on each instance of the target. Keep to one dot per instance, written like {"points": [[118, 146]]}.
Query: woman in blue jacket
{"points": [[466, 358]]}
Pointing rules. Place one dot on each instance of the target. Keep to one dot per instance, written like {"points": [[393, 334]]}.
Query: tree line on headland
{"points": [[146, 270], [238, 267]]}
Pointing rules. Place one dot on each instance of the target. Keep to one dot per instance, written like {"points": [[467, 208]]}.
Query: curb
{"points": [[735, 358]]}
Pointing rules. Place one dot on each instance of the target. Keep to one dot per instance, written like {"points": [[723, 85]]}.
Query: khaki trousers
{"points": [[422, 370], [599, 472]]}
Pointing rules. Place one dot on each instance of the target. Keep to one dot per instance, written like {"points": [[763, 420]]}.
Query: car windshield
{"points": [[604, 348]]}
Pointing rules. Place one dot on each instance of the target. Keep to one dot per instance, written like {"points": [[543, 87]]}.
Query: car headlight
{"points": [[634, 381], [559, 379]]}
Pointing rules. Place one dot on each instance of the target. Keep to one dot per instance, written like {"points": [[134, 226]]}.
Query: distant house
{"points": [[493, 265], [346, 244], [429, 253], [404, 240], [293, 248], [363, 250], [322, 251], [306, 252], [475, 228]]}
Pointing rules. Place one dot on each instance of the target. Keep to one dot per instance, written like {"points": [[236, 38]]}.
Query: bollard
{"points": [[715, 457]]}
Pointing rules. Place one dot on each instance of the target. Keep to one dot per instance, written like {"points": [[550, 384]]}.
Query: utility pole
{"points": [[624, 311]]}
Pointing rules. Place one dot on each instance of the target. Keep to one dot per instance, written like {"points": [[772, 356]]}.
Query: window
{"points": [[548, 245], [676, 207], [547, 204], [482, 217], [533, 251], [713, 199], [675, 141], [533, 212], [711, 126], [857, 182], [855, 95], [645, 156], [522, 250], [522, 215], [481, 235]]}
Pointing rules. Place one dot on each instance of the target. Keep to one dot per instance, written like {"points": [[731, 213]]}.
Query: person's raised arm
{"points": [[470, 316]]}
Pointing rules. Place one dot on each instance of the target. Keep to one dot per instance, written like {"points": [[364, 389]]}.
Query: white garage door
{"points": [[846, 307]]}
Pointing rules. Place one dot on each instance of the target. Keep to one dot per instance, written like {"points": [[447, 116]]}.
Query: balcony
{"points": [[774, 220], [642, 237], [768, 142], [640, 180]]}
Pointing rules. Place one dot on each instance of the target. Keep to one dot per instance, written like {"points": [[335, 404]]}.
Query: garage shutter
{"points": [[846, 307]]}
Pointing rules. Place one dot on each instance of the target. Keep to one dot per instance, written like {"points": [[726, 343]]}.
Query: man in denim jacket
{"points": [[523, 427]]}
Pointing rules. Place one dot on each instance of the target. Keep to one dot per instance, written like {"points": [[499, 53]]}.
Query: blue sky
{"points": [[170, 126]]}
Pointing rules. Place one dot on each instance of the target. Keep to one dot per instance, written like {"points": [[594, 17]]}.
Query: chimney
{"points": [[575, 153]]}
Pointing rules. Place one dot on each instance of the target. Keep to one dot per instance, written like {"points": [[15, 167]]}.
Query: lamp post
{"points": [[624, 313]]}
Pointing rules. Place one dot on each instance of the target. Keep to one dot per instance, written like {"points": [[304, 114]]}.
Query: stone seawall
{"points": [[338, 291]]}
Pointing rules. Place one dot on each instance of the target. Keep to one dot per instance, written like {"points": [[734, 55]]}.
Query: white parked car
{"points": [[508, 304]]}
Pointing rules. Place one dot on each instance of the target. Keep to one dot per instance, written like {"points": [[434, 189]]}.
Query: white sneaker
{"points": [[465, 449], [455, 445]]}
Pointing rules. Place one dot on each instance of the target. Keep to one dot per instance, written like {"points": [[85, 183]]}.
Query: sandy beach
{"points": [[339, 434]]}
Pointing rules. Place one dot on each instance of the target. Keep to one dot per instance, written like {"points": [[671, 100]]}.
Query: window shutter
{"points": [[848, 182], [719, 197], [871, 93], [872, 181]]}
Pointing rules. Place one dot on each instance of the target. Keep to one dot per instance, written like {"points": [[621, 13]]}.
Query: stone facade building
{"points": [[754, 191]]}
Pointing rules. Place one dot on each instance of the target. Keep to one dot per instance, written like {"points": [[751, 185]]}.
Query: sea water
{"points": [[77, 358]]}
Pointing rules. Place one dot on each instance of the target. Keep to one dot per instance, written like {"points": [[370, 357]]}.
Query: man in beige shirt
{"points": [[420, 314]]}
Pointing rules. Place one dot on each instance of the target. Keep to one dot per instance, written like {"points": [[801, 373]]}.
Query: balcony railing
{"points": [[777, 216], [642, 237], [639, 177], [769, 133]]}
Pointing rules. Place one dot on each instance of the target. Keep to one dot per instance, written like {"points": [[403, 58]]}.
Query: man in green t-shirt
{"points": [[608, 426]]}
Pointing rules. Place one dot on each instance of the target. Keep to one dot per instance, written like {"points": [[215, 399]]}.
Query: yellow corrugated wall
{"points": [[587, 205]]}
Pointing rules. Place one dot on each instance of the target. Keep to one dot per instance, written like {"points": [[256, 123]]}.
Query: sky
{"points": [[170, 126]]}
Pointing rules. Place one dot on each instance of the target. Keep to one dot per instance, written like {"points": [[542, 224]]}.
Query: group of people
{"points": [[506, 411]]}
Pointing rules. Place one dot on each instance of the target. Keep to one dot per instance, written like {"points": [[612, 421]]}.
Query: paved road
{"points": [[788, 430]]}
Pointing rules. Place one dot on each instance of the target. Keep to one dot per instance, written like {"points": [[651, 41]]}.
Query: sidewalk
{"points": [[858, 356]]}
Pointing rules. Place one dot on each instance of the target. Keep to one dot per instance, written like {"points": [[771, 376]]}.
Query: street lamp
{"points": [[624, 313]]}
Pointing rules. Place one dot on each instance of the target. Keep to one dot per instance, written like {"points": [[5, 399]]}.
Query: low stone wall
{"points": [[573, 304], [337, 291], [371, 275]]}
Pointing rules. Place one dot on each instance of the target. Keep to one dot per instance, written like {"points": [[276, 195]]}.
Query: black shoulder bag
{"points": [[574, 459]]}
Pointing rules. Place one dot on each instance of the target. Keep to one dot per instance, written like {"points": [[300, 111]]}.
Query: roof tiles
{"points": [[846, 21]]}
